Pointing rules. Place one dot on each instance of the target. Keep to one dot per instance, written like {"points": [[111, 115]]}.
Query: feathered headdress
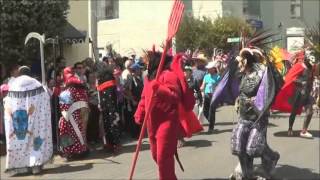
{"points": [[277, 56], [259, 39], [253, 47]]}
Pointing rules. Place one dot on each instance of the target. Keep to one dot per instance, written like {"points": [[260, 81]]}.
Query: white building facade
{"points": [[131, 26], [135, 25], [290, 18]]}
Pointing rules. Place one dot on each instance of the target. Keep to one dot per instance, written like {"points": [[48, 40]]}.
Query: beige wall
{"points": [[140, 25], [78, 17]]}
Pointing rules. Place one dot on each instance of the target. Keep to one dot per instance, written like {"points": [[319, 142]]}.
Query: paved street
{"points": [[204, 156]]}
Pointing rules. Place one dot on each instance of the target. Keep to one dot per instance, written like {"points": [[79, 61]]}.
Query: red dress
{"points": [[163, 124], [71, 127]]}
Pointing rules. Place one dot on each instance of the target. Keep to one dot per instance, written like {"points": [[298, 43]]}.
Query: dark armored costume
{"points": [[302, 97], [249, 135]]}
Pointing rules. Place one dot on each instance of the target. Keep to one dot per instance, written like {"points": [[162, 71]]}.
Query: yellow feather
{"points": [[276, 57]]}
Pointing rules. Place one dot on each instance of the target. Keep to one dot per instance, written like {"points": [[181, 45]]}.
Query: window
{"points": [[254, 8], [251, 8], [245, 7], [107, 9], [295, 8]]}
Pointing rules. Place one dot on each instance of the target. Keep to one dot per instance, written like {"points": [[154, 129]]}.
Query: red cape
{"points": [[282, 101], [188, 119]]}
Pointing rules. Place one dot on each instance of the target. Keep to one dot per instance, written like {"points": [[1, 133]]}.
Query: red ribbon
{"points": [[106, 85]]}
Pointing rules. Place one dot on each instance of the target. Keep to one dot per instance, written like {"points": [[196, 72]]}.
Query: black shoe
{"points": [[269, 167], [36, 169], [85, 154], [75, 157], [210, 131]]}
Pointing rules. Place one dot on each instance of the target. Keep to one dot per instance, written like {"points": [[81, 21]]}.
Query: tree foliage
{"points": [[205, 34], [19, 17], [312, 36]]}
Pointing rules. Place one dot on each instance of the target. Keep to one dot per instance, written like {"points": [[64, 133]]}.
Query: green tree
{"points": [[225, 27], [312, 36], [19, 17], [205, 34]]}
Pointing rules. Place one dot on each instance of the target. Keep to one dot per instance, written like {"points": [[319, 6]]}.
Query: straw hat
{"points": [[212, 64], [200, 57]]}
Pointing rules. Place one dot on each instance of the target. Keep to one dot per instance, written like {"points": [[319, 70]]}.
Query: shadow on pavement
{"points": [[271, 125], [234, 123], [277, 116], [100, 155], [67, 168], [132, 148], [315, 133], [198, 143], [215, 131], [291, 172], [224, 123]]}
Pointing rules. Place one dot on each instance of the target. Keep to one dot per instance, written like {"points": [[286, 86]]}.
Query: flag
{"points": [[227, 89], [266, 92], [284, 98]]}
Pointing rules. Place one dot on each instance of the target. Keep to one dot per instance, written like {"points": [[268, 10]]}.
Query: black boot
{"points": [[246, 163], [269, 162]]}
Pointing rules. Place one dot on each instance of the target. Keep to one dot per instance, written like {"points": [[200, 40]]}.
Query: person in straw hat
{"points": [[209, 83], [198, 74]]}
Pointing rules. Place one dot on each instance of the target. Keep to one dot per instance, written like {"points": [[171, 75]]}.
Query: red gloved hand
{"points": [[155, 85], [138, 119]]}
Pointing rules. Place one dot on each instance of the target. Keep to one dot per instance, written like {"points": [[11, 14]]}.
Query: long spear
{"points": [[173, 25], [54, 41]]}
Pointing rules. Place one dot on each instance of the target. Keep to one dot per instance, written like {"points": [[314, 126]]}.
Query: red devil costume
{"points": [[164, 125], [189, 122]]}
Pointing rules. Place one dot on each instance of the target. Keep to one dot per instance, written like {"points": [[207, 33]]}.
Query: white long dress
{"points": [[27, 124]]}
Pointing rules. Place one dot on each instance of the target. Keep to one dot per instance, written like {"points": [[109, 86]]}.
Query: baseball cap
{"points": [[135, 66]]}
